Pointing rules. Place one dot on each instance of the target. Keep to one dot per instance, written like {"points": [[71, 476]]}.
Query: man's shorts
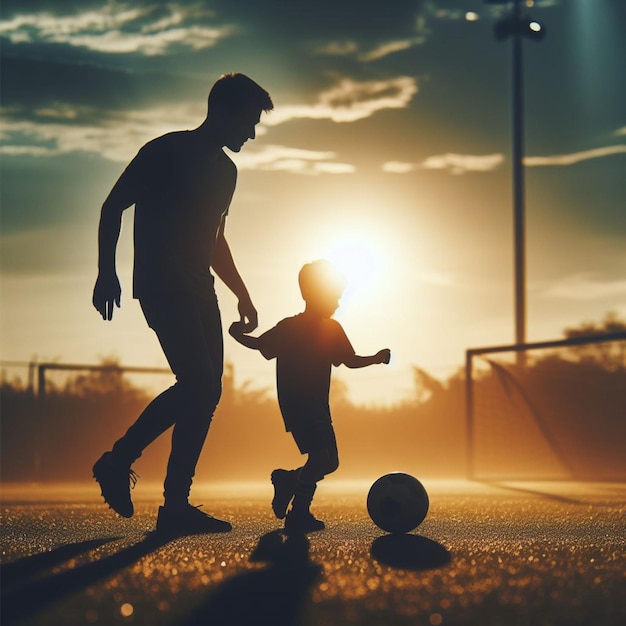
{"points": [[314, 435]]}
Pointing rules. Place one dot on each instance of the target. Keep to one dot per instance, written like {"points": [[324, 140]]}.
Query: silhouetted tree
{"points": [[610, 355], [578, 393]]}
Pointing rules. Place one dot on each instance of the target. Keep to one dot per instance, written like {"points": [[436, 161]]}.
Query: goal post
{"points": [[551, 410], [52, 412]]}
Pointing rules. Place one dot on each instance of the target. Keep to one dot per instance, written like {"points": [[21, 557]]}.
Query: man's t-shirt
{"points": [[305, 346], [182, 197]]}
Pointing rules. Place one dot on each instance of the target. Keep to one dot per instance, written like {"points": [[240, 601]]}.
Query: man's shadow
{"points": [[412, 552], [273, 595], [28, 586]]}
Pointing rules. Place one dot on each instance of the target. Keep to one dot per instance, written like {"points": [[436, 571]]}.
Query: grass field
{"points": [[506, 555]]}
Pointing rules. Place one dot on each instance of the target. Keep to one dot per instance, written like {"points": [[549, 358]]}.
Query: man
{"points": [[181, 185]]}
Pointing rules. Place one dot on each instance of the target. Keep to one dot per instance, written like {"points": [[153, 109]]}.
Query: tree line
{"points": [[578, 395]]}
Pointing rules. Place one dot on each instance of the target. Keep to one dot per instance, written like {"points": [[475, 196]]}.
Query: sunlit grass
{"points": [[151, 491]]}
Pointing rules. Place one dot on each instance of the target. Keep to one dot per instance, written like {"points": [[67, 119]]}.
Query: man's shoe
{"points": [[284, 482], [115, 480], [302, 522], [188, 520]]}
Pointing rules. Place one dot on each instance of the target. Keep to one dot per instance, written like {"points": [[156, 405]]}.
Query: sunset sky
{"points": [[388, 150]]}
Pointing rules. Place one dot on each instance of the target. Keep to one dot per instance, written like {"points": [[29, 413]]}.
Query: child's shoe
{"points": [[302, 522], [284, 482]]}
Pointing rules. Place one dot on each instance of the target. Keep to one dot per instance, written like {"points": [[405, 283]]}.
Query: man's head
{"points": [[234, 109], [321, 285]]}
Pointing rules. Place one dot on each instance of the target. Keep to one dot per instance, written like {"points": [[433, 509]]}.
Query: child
{"points": [[305, 346]]}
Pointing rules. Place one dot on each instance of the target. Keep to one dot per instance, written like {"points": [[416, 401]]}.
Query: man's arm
{"points": [[107, 291], [355, 361], [224, 266]]}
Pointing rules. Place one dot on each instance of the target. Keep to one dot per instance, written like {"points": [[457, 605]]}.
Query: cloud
{"points": [[575, 157], [337, 48], [350, 101], [417, 34], [144, 30], [60, 128], [462, 163], [63, 129], [335, 168], [398, 167], [350, 48], [444, 14], [119, 137], [389, 48], [586, 287], [293, 160], [455, 163]]}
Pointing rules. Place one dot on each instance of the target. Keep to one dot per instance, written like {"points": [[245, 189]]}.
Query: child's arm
{"points": [[356, 361], [236, 331]]}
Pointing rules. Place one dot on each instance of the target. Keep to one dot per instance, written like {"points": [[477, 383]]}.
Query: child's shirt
{"points": [[305, 347]]}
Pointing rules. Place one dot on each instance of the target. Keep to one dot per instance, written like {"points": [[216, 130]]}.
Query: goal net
{"points": [[548, 411]]}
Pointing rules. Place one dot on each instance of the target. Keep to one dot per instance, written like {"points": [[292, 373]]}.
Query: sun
{"points": [[357, 259]]}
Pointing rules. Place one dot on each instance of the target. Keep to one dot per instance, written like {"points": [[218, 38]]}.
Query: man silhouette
{"points": [[181, 185]]}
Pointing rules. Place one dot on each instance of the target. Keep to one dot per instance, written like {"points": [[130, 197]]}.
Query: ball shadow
{"points": [[412, 552]]}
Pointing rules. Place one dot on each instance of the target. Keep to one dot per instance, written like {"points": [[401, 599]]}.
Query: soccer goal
{"points": [[554, 410]]}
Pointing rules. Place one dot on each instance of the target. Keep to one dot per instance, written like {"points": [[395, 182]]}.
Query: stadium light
{"points": [[518, 25], [524, 26]]}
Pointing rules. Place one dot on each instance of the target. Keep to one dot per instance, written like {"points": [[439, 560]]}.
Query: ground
{"points": [[501, 555]]}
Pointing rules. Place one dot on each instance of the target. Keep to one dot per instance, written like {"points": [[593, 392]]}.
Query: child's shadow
{"points": [[273, 595], [412, 552], [29, 586]]}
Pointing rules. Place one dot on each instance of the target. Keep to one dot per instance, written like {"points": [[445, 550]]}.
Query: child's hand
{"points": [[384, 356], [237, 328]]}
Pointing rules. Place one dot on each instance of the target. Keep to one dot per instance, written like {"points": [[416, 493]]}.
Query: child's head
{"points": [[321, 285]]}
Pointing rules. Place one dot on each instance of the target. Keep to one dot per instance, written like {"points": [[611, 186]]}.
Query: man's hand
{"points": [[107, 293], [249, 318]]}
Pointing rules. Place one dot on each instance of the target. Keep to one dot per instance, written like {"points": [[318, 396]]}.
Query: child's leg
{"points": [[318, 441], [320, 463], [284, 482]]}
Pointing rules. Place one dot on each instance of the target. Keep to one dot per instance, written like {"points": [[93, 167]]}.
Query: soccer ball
{"points": [[397, 502]]}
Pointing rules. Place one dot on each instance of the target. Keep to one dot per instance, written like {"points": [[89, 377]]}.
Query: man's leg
{"points": [[191, 336], [155, 419], [113, 470], [189, 331]]}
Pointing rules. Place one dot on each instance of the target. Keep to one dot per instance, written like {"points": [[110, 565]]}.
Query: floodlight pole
{"points": [[519, 235], [517, 25]]}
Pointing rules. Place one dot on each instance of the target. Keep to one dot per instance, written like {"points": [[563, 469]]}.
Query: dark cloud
{"points": [[29, 83], [11, 8], [325, 19]]}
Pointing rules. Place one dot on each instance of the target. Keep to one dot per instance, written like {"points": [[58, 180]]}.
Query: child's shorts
{"points": [[314, 435]]}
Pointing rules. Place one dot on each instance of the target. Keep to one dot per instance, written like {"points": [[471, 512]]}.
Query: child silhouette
{"points": [[305, 346]]}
